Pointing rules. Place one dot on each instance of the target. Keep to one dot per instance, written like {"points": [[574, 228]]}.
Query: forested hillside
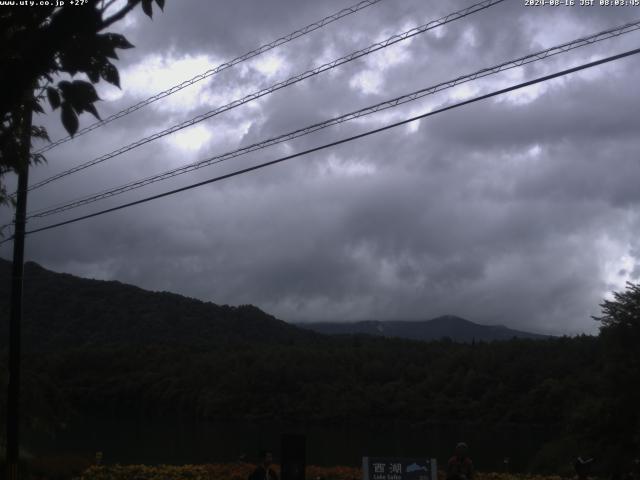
{"points": [[178, 357], [63, 311], [350, 380]]}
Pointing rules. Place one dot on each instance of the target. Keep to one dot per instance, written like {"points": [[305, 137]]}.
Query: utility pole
{"points": [[15, 318]]}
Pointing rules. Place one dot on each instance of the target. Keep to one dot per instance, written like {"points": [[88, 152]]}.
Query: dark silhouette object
{"points": [[460, 466], [618, 421], [634, 474], [631, 473], [263, 470], [583, 467], [293, 461], [38, 44]]}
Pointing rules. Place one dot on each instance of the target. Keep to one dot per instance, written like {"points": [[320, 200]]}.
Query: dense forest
{"points": [[249, 365], [342, 379]]}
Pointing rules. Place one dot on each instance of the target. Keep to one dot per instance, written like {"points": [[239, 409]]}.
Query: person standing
{"points": [[460, 466], [582, 466], [264, 471]]}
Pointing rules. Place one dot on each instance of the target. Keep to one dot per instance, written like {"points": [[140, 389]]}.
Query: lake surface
{"points": [[172, 441]]}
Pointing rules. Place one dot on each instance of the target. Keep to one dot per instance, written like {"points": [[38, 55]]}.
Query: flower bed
{"points": [[240, 471]]}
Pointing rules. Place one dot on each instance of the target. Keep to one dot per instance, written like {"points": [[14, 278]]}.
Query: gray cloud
{"points": [[520, 211]]}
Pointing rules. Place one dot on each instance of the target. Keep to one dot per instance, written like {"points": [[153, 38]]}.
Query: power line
{"points": [[290, 81], [540, 55], [344, 140], [242, 58]]}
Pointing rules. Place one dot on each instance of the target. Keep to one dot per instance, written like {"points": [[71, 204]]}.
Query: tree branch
{"points": [[109, 3]]}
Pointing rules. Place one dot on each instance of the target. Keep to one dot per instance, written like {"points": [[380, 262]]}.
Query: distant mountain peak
{"points": [[450, 319], [454, 327]]}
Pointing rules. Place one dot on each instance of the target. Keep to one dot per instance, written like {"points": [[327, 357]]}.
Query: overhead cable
{"points": [[286, 83], [338, 142], [533, 57], [224, 66]]}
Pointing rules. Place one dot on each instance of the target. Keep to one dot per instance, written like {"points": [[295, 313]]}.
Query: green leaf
{"points": [[69, 119], [78, 94], [65, 88], [84, 91], [93, 73], [92, 110], [37, 158], [73, 59], [110, 74], [54, 97], [146, 7], [118, 41], [160, 4], [35, 106], [108, 50], [39, 132]]}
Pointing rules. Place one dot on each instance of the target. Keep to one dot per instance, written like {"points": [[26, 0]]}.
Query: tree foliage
{"points": [[623, 312], [618, 418], [41, 50], [109, 349]]}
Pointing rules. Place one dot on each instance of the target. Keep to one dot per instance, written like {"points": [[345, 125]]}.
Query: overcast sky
{"points": [[521, 210]]}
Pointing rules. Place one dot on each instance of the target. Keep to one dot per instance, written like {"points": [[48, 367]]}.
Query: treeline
{"points": [[107, 349], [566, 384], [342, 379]]}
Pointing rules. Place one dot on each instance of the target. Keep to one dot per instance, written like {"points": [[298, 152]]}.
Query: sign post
{"points": [[293, 457], [388, 468]]}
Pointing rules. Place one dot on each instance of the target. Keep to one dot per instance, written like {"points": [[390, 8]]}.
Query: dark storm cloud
{"points": [[520, 211]]}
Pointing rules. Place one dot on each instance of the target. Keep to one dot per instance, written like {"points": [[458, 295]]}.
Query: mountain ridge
{"points": [[456, 328], [65, 311]]}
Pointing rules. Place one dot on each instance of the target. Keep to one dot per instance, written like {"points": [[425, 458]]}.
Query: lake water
{"points": [[185, 442]]}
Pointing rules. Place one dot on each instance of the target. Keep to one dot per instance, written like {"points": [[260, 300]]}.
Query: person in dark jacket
{"points": [[460, 466], [263, 471], [582, 466]]}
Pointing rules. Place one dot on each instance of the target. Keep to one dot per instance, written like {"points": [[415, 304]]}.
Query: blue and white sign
{"points": [[385, 468]]}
